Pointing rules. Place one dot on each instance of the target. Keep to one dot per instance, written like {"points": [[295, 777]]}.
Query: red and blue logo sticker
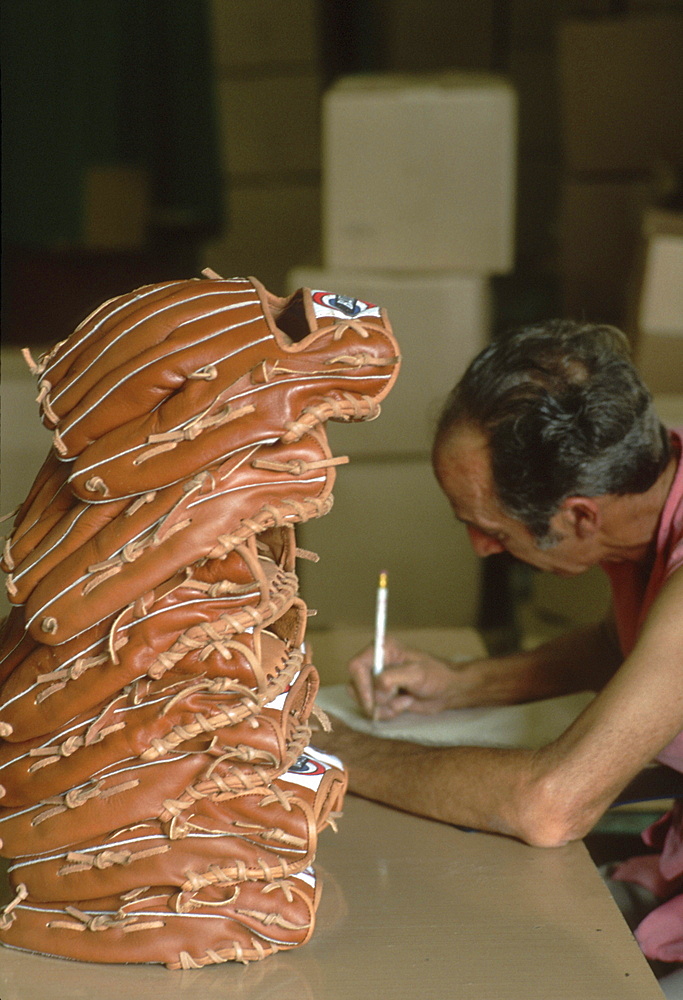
{"points": [[342, 306], [305, 765], [310, 767]]}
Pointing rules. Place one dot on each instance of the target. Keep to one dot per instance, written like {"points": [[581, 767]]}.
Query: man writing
{"points": [[549, 449]]}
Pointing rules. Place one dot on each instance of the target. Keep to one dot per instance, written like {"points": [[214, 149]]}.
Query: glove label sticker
{"points": [[310, 767], [306, 771], [343, 306]]}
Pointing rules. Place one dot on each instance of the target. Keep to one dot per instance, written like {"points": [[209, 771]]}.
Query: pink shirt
{"points": [[660, 934], [633, 590]]}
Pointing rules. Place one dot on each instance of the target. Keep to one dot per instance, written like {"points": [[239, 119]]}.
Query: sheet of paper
{"points": [[530, 725]]}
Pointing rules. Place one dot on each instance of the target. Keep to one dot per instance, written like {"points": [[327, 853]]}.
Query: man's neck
{"points": [[630, 522]]}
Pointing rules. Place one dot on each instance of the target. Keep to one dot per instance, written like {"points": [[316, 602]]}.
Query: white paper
{"points": [[531, 725]]}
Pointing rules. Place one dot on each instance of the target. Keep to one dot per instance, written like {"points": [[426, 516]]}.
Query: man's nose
{"points": [[483, 544]]}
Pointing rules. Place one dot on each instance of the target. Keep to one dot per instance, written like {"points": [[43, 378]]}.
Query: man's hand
{"points": [[412, 681], [415, 681]]}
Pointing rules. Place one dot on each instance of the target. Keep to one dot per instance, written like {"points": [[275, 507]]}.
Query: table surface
{"points": [[410, 908]]}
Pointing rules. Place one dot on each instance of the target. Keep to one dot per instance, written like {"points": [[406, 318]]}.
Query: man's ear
{"points": [[581, 515]]}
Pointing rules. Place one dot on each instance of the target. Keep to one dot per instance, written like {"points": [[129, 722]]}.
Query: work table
{"points": [[410, 908]]}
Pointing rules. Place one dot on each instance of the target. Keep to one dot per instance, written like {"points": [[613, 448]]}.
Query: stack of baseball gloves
{"points": [[159, 795]]}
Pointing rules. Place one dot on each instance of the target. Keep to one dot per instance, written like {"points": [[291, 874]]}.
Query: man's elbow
{"points": [[548, 833], [548, 818]]}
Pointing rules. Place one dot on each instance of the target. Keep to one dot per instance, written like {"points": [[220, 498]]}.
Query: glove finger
{"points": [[128, 792], [221, 331], [117, 333], [133, 790], [245, 922], [151, 355], [154, 718], [324, 375], [51, 502], [143, 855], [322, 795], [178, 627], [80, 523], [271, 485], [67, 358], [16, 644], [47, 470]]}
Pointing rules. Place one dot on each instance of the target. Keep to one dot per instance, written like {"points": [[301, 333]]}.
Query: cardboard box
{"points": [[660, 362], [389, 516], [419, 173], [661, 304], [24, 442], [538, 196], [599, 241], [271, 224], [533, 73], [669, 406], [440, 320], [416, 37], [659, 344], [251, 33], [270, 124], [533, 23], [621, 91]]}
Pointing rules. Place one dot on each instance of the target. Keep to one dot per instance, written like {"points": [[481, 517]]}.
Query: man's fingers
{"points": [[406, 675], [400, 703], [360, 687], [376, 694]]}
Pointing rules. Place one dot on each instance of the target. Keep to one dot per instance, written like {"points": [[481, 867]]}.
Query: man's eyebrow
{"points": [[496, 533]]}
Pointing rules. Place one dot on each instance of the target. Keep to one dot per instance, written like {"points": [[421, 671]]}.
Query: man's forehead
{"points": [[463, 467], [462, 464], [466, 448]]}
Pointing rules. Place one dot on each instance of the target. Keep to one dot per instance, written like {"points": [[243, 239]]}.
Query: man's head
{"points": [[563, 414]]}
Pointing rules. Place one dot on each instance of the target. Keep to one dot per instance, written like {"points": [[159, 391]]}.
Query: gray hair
{"points": [[565, 414]]}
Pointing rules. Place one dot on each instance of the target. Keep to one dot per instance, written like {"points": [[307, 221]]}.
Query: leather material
{"points": [[153, 718], [181, 348], [266, 833], [205, 520], [137, 790], [243, 922], [179, 623], [158, 791]]}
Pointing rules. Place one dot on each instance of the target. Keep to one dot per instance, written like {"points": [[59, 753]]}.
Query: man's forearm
{"points": [[483, 788], [583, 660], [523, 793]]}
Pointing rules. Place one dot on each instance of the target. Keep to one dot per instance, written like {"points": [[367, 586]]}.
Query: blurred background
{"points": [[472, 166]]}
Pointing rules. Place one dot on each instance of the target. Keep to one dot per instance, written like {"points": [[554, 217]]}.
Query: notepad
{"points": [[531, 725]]}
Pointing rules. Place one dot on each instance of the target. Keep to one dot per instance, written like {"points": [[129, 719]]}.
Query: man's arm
{"points": [[414, 681], [552, 795]]}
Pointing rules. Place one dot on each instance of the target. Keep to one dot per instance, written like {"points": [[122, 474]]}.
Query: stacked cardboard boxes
{"points": [[556, 604], [419, 173], [621, 93], [418, 206], [659, 343], [268, 85]]}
